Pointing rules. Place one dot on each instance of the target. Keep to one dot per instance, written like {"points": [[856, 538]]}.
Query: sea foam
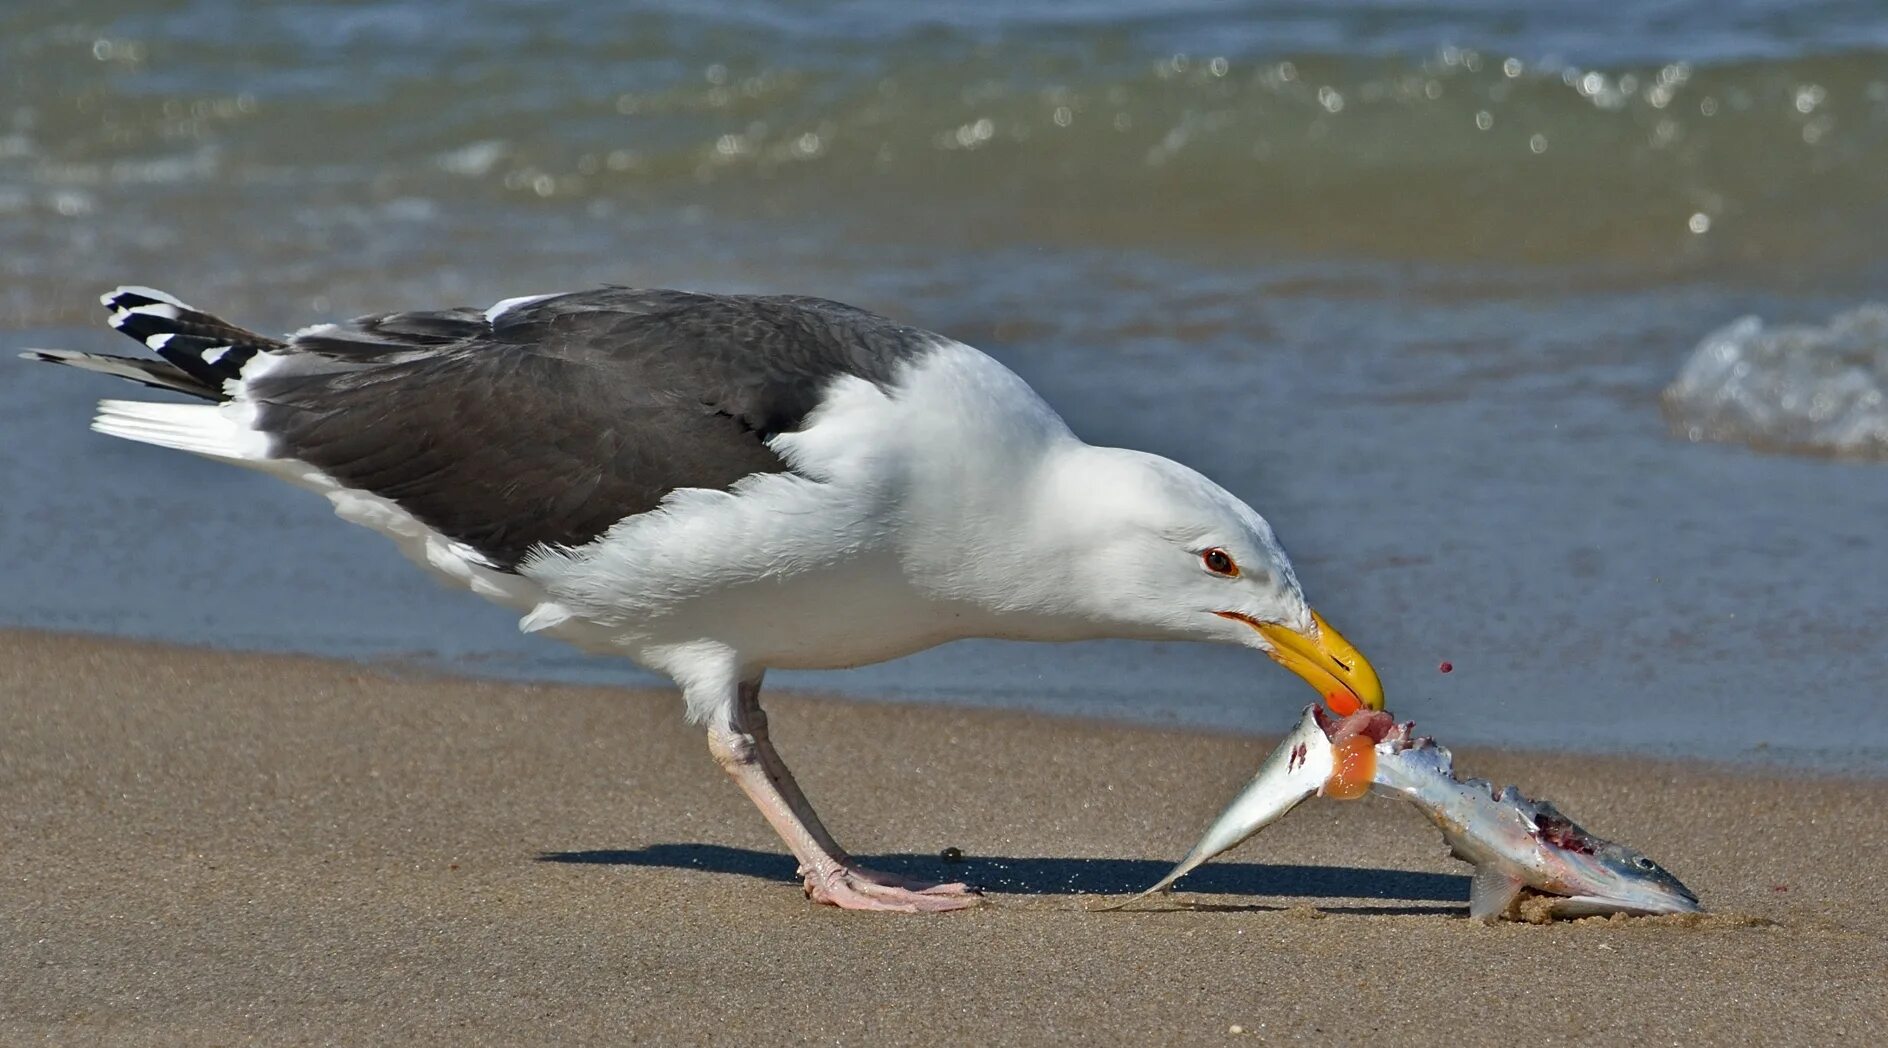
{"points": [[1804, 389]]}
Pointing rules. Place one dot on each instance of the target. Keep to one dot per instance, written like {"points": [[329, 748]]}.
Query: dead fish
{"points": [[1514, 843]]}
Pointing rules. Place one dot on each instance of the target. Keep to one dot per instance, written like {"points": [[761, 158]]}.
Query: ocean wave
{"points": [[1630, 142], [1801, 388]]}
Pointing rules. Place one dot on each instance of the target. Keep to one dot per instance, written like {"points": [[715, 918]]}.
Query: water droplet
{"points": [[1484, 120], [1699, 222], [1064, 116], [1330, 99], [1537, 143], [1512, 68]]}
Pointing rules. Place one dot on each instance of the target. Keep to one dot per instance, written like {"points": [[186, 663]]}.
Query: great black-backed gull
{"points": [[717, 485]]}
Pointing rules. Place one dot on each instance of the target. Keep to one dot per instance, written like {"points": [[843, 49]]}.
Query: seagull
{"points": [[716, 485]]}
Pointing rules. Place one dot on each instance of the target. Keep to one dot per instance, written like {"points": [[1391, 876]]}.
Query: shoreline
{"points": [[424, 667], [203, 846]]}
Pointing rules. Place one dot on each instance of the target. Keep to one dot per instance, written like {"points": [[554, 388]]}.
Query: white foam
{"points": [[1820, 390]]}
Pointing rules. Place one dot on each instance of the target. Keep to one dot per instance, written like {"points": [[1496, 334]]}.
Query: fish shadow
{"points": [[1059, 876]]}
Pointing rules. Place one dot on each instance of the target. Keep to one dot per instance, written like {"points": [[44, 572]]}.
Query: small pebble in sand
{"points": [[1235, 1028], [1447, 667], [952, 854]]}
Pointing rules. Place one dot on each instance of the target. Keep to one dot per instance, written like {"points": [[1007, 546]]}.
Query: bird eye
{"points": [[1219, 562]]}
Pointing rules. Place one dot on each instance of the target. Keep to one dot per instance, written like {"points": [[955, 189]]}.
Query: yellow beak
{"points": [[1328, 662]]}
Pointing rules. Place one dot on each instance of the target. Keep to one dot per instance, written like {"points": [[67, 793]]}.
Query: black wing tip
{"points": [[157, 374], [123, 301], [210, 350]]}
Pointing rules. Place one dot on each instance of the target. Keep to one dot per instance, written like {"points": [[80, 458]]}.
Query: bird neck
{"points": [[1025, 557]]}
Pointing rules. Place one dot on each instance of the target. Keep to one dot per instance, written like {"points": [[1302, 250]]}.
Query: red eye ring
{"points": [[1219, 562]]}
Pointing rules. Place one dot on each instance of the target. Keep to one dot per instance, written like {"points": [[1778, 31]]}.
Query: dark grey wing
{"points": [[563, 416]]}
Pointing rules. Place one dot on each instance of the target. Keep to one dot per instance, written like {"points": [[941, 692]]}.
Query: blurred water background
{"points": [[1410, 275]]}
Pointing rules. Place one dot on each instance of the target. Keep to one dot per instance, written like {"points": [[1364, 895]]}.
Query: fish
{"points": [[1520, 848]]}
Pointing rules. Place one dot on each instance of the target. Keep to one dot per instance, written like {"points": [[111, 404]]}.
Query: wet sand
{"points": [[204, 848]]}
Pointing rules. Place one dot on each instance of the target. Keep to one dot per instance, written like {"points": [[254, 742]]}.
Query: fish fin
{"points": [[1301, 763], [1491, 891], [1165, 884]]}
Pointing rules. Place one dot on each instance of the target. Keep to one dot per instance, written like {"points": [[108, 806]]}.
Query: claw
{"points": [[857, 888]]}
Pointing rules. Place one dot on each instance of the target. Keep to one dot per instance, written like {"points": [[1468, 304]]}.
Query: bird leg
{"points": [[741, 746], [755, 720]]}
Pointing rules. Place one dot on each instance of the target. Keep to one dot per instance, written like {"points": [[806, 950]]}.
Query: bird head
{"points": [[1175, 556]]}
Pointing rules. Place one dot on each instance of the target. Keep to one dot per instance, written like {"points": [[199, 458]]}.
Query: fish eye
{"points": [[1644, 863], [1219, 562]]}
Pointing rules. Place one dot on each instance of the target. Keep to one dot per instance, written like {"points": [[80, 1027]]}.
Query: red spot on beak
{"points": [[1343, 703]]}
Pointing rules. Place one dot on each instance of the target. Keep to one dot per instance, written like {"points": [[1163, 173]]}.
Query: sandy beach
{"points": [[206, 848]]}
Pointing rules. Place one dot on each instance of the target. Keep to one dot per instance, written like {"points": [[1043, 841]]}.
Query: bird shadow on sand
{"points": [[1053, 876]]}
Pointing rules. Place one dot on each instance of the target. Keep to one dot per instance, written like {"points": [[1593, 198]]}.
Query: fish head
{"points": [[1600, 876], [1618, 879]]}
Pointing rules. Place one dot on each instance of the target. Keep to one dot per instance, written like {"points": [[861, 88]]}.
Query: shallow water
{"points": [[1408, 276]]}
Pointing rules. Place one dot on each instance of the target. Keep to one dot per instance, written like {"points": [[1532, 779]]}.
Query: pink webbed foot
{"points": [[922, 887], [857, 888]]}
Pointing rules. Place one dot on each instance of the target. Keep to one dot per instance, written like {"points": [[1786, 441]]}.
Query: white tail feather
{"points": [[213, 430]]}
